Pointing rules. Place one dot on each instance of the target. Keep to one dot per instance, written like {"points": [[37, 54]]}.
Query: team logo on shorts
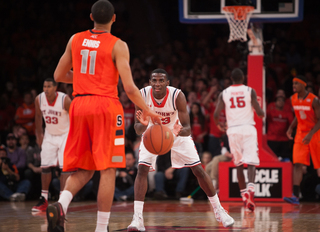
{"points": [[119, 120]]}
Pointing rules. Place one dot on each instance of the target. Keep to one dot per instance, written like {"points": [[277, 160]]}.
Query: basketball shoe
{"points": [[222, 216], [136, 224], [249, 202], [292, 200], [55, 218], [41, 206]]}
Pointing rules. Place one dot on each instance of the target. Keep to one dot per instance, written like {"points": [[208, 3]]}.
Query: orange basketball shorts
{"points": [[302, 152], [96, 136]]}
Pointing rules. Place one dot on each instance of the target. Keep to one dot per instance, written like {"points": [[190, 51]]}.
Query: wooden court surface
{"points": [[168, 216]]}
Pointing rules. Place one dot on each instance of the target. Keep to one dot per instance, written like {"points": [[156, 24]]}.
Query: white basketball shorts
{"points": [[52, 150], [244, 144], [183, 154]]}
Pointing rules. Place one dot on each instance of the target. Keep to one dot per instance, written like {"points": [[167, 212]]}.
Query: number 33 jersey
{"points": [[167, 108], [54, 115], [237, 100]]}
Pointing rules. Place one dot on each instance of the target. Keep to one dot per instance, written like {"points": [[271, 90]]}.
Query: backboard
{"points": [[210, 11]]}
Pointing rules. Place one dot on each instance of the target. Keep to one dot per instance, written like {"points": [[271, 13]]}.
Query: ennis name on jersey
{"points": [[54, 115], [167, 108]]}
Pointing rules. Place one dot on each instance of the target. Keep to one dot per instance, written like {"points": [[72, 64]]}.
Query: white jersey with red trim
{"points": [[167, 108], [54, 115], [237, 100]]}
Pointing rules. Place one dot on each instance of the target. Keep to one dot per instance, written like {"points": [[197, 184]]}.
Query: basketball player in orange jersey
{"points": [[171, 103], [307, 114], [96, 135], [53, 107], [239, 102]]}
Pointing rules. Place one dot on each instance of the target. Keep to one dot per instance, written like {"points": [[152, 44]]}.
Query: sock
{"points": [[215, 202], [44, 193], [242, 191], [296, 190], [138, 207], [65, 199], [250, 187], [102, 221]]}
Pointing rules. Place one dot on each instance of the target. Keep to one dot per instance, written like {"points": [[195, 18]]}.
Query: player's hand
{"points": [[307, 139], [155, 118], [289, 133], [177, 128], [222, 127], [144, 120]]}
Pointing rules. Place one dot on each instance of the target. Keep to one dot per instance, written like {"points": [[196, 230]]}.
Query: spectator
{"points": [[124, 189], [18, 131], [212, 168], [215, 134], [11, 186], [278, 122], [26, 113], [198, 126], [206, 158], [16, 155], [7, 112], [166, 173], [33, 171]]}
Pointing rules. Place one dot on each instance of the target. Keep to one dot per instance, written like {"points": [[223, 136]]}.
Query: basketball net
{"points": [[238, 18]]}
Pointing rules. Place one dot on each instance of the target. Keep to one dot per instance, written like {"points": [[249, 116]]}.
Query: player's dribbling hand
{"points": [[176, 128]]}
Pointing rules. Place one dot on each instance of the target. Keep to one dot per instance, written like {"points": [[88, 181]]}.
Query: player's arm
{"points": [[293, 124], [38, 122], [183, 115], [63, 72], [316, 108], [121, 57], [220, 106], [255, 104], [67, 102], [138, 126]]}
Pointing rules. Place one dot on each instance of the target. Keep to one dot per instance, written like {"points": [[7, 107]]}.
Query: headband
{"points": [[158, 74], [300, 81]]}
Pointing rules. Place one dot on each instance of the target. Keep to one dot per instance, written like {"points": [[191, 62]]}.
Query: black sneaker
{"points": [[55, 218]]}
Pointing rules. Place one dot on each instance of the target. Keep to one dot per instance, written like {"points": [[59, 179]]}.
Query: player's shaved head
{"points": [[237, 75], [51, 80]]}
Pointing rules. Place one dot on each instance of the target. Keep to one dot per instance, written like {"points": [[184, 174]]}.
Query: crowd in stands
{"points": [[198, 62]]}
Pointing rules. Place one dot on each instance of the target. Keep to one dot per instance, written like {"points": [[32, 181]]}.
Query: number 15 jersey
{"points": [[237, 100], [54, 115]]}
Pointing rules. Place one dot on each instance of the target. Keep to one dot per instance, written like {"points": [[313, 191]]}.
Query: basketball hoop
{"points": [[238, 18]]}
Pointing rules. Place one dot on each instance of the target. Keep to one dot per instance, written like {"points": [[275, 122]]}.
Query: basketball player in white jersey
{"points": [[170, 103], [239, 100], [53, 106]]}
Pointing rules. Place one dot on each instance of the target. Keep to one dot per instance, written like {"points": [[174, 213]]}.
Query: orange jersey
{"points": [[94, 71], [304, 112]]}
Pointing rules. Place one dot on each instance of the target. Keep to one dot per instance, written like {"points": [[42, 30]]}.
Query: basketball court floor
{"points": [[166, 216]]}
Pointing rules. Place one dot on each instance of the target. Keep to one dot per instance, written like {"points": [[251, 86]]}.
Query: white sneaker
{"points": [[223, 216], [136, 224], [18, 197]]}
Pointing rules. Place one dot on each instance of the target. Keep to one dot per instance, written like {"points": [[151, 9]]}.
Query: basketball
{"points": [[158, 139]]}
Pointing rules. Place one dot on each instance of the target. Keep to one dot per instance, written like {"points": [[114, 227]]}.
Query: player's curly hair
{"points": [[102, 11]]}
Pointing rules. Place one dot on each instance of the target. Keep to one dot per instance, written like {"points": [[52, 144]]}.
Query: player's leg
{"points": [[64, 175], [250, 188], [48, 160], [184, 154], [300, 157], [140, 190], [105, 198]]}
